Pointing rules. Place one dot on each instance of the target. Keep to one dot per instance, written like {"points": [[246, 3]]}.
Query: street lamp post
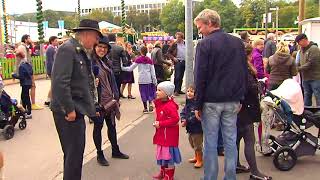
{"points": [[277, 20], [301, 13], [189, 43], [266, 19]]}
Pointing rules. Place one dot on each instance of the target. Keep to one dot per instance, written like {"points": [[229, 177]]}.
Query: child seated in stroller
{"points": [[10, 113]]}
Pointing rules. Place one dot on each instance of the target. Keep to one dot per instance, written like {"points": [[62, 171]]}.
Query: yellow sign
{"points": [[159, 33]]}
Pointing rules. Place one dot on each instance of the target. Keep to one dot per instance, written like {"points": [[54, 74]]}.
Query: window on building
{"points": [[138, 6], [147, 5], [127, 7], [142, 6]]}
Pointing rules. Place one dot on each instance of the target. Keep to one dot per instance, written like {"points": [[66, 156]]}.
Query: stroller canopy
{"points": [[291, 92]]}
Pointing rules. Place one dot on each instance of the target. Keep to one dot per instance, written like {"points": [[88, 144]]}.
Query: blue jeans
{"points": [[220, 141], [311, 87], [222, 116]]}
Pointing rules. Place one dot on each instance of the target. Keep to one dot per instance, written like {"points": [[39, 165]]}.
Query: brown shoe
{"points": [[199, 162], [176, 94], [193, 160]]}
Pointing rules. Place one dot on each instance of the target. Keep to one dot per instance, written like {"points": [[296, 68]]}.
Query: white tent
{"points": [[107, 25]]}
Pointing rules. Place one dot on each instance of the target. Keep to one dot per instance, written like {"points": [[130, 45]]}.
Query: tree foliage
{"points": [[100, 16], [172, 17]]}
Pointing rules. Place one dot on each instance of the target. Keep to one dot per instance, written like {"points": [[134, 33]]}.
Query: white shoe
{"points": [[28, 116]]}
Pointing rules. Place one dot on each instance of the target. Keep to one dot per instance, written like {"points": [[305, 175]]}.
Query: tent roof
{"points": [[105, 24]]}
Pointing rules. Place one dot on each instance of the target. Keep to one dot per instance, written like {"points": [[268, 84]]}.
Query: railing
{"points": [[8, 66]]}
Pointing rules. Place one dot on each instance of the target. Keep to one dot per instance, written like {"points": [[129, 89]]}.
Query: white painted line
{"points": [[92, 154]]}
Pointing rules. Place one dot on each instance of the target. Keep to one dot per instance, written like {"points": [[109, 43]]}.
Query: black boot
{"points": [[116, 153], [101, 159]]}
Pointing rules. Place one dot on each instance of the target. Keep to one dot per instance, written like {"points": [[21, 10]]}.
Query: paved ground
{"points": [[35, 153], [141, 165]]}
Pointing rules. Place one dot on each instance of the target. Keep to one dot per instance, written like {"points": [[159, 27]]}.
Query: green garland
{"points": [[79, 9], [40, 20], [6, 37], [123, 18]]}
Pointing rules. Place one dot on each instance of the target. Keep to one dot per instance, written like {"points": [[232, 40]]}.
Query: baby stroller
{"points": [[294, 141], [10, 114]]}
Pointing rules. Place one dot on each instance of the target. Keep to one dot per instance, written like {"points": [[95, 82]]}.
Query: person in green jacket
{"points": [[309, 68]]}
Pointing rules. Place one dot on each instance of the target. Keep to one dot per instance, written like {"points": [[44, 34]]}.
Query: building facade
{"points": [[114, 6], [141, 6]]}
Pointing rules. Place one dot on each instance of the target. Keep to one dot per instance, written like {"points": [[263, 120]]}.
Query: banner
{"points": [[45, 24], [61, 24]]}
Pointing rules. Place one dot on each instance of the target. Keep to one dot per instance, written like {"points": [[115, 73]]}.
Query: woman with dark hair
{"points": [[108, 102], [249, 113], [127, 77]]}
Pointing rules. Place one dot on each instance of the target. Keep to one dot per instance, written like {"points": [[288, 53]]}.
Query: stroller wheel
{"points": [[22, 124], [284, 158], [8, 132]]}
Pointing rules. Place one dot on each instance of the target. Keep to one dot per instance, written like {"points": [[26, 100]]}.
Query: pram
{"points": [[294, 141], [10, 113]]}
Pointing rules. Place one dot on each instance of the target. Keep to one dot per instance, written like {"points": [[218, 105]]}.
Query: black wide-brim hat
{"points": [[88, 24], [105, 40]]}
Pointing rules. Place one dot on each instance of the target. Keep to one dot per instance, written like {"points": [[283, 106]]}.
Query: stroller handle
{"points": [[269, 93]]}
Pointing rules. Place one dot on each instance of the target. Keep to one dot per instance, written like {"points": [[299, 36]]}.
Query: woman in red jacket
{"points": [[167, 131]]}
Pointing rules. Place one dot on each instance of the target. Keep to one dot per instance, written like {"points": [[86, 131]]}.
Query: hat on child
{"points": [[167, 87]]}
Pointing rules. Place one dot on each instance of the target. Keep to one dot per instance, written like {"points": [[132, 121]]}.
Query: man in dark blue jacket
{"points": [[220, 76]]}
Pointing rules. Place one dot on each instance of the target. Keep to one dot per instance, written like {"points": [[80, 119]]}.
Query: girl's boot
{"points": [[161, 174], [199, 162], [168, 174], [193, 160]]}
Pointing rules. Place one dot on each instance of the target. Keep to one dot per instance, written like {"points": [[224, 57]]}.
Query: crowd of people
{"points": [[90, 72]]}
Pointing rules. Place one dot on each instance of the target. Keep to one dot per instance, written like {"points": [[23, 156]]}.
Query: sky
{"points": [[27, 6]]}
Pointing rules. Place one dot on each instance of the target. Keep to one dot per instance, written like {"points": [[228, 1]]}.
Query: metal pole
{"points": [[189, 43], [266, 19], [301, 14]]}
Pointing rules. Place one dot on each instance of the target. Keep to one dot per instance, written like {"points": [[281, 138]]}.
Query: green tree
{"points": [[70, 21], [99, 16], [154, 19], [172, 17], [131, 17], [141, 21], [252, 12], [117, 20], [228, 11]]}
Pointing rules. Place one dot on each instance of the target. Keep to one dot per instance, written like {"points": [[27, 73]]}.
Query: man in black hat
{"points": [[73, 94], [309, 68]]}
